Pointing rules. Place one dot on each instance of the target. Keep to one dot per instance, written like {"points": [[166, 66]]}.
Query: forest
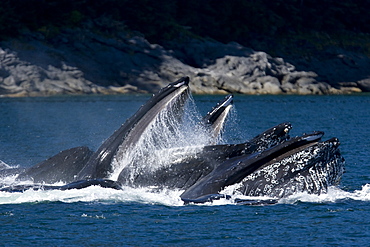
{"points": [[254, 23]]}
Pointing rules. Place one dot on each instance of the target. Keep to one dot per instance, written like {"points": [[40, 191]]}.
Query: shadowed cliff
{"points": [[87, 46]]}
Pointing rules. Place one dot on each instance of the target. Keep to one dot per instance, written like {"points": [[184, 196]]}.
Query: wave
{"points": [[94, 194], [333, 195], [164, 197]]}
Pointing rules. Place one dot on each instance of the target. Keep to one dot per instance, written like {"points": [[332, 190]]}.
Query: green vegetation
{"points": [[261, 24]]}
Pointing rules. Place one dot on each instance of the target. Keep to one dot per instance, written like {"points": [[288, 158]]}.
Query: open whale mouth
{"points": [[311, 168], [236, 169], [165, 109], [101, 163], [215, 119]]}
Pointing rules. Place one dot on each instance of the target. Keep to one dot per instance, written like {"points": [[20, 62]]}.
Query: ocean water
{"points": [[33, 129]]}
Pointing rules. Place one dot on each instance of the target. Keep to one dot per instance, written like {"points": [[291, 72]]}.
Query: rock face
{"points": [[80, 61], [24, 78]]}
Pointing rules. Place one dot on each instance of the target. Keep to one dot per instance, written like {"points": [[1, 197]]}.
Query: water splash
{"points": [[235, 131], [3, 165], [94, 194], [165, 197], [169, 131], [333, 195]]}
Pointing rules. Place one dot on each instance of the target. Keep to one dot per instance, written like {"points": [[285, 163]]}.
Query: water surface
{"points": [[33, 129]]}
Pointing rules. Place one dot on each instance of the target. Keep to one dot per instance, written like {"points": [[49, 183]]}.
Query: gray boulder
{"points": [[364, 85]]}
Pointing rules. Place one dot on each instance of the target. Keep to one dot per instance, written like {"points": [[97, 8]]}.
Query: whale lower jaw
{"points": [[312, 169]]}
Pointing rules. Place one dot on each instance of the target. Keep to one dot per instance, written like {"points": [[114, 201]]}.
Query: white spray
{"points": [[163, 138]]}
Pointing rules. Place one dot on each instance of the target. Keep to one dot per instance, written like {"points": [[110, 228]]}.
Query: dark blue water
{"points": [[33, 129]]}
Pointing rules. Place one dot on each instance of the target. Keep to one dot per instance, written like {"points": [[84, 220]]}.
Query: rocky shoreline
{"points": [[80, 61]]}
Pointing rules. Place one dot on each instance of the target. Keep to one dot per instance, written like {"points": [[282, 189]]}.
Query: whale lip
{"points": [[181, 82], [219, 109], [314, 136], [227, 101]]}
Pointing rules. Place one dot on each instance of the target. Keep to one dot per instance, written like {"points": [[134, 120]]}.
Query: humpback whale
{"points": [[311, 168], [297, 165], [100, 163], [271, 164]]}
